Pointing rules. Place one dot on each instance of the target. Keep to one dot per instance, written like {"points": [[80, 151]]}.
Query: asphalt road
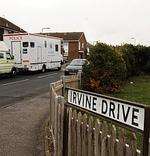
{"points": [[25, 86]]}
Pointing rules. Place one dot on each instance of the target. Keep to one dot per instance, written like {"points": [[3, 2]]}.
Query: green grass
{"points": [[138, 91]]}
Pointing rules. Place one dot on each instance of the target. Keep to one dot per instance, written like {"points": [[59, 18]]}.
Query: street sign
{"points": [[118, 110]]}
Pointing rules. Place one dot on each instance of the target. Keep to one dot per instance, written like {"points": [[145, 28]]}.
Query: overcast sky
{"points": [[110, 21]]}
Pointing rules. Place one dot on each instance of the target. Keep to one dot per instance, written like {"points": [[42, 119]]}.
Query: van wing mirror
{"points": [[12, 57]]}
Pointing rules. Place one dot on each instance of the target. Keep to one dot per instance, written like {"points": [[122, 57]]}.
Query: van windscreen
{"points": [[1, 55]]}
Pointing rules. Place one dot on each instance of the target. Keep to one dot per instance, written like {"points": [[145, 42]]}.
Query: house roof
{"points": [[66, 35], [4, 23]]}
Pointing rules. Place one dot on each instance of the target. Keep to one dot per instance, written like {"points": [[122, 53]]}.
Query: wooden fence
{"points": [[75, 132], [55, 128]]}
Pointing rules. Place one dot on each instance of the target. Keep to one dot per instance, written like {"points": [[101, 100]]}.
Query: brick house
{"points": [[7, 27], [74, 44]]}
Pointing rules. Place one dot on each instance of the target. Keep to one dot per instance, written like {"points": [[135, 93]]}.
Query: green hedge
{"points": [[110, 66], [106, 70], [137, 58]]}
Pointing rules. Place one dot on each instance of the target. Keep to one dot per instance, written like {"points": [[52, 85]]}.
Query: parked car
{"points": [[75, 66], [6, 60]]}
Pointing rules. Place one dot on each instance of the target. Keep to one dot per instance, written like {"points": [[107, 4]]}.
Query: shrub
{"points": [[106, 70], [135, 57]]}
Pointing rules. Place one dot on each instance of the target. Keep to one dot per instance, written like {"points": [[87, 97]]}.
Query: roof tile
{"points": [[66, 35], [9, 25]]}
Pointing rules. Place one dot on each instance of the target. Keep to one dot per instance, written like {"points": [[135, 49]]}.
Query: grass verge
{"points": [[136, 89]]}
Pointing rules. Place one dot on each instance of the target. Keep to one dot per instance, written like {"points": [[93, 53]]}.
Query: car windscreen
{"points": [[77, 62]]}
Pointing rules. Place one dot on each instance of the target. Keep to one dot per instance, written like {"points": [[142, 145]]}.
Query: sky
{"points": [[108, 21]]}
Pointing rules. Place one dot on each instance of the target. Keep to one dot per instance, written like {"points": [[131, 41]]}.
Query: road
{"points": [[26, 86]]}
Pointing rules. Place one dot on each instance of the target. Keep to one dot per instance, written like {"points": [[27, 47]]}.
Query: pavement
{"points": [[24, 106], [21, 127]]}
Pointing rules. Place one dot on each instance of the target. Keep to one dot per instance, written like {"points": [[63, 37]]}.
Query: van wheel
{"points": [[62, 62], [59, 68], [43, 69], [14, 72]]}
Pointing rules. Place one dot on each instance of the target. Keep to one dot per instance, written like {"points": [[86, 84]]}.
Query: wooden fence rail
{"points": [[75, 132]]}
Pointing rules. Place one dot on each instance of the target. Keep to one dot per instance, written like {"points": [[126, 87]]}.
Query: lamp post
{"points": [[45, 29], [134, 39]]}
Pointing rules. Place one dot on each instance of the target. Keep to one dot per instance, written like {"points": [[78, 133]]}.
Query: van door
{"points": [[39, 55], [16, 51]]}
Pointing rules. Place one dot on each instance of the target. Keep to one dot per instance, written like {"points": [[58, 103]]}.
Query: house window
{"points": [[32, 44], [66, 48], [56, 47], [25, 44], [82, 45], [79, 45]]}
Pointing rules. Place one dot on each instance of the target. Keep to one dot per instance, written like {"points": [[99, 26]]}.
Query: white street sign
{"points": [[132, 115]]}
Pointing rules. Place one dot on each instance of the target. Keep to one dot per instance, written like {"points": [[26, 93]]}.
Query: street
{"points": [[25, 86]]}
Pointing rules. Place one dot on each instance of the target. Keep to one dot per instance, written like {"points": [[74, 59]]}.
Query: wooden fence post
{"points": [[65, 131], [79, 118], [59, 136], [69, 143], [51, 106], [146, 137], [64, 86], [112, 140], [79, 79], [62, 102], [149, 145], [95, 138]]}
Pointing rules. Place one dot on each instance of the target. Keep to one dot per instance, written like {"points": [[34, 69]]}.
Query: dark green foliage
{"points": [[110, 66], [106, 70], [136, 58]]}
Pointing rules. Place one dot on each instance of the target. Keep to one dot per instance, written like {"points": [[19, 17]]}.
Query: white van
{"points": [[34, 52]]}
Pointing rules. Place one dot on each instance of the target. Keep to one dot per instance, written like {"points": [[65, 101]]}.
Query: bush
{"points": [[135, 57], [146, 68], [106, 70]]}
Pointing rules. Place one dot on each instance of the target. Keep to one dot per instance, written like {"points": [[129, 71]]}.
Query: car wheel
{"points": [[43, 69], [59, 68], [66, 73], [14, 72]]}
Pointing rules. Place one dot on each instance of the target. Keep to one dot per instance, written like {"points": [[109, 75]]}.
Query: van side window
{"points": [[32, 44], [1, 55], [25, 44], [25, 51], [56, 47], [45, 44], [51, 50]]}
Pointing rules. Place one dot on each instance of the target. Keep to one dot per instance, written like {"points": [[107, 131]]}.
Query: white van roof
{"points": [[3, 46]]}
